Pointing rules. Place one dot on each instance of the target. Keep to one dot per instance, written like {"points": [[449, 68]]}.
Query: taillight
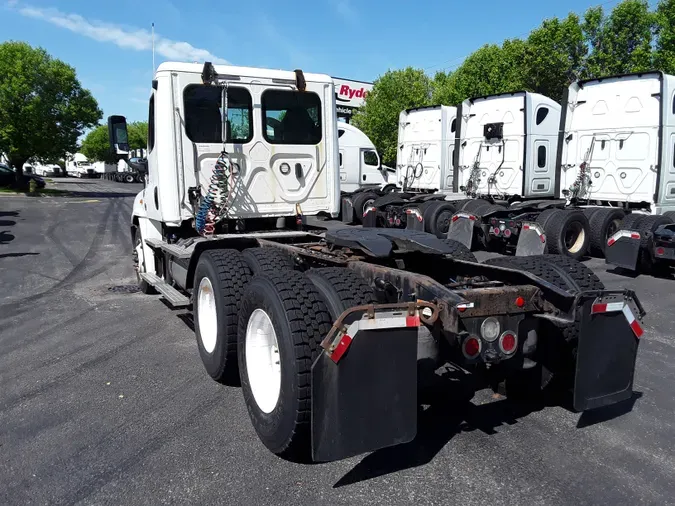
{"points": [[508, 342], [660, 251], [507, 233], [496, 231], [471, 347], [489, 329], [520, 302]]}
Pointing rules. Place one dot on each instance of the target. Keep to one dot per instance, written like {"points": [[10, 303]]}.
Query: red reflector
{"points": [[472, 218], [508, 342], [637, 329], [512, 224], [455, 218], [598, 308], [507, 233], [660, 251], [611, 241], [471, 347], [526, 227], [341, 348], [520, 302], [461, 309], [543, 238], [635, 236], [412, 321], [493, 221]]}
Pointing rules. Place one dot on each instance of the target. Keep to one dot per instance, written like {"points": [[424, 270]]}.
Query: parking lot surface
{"points": [[103, 398]]}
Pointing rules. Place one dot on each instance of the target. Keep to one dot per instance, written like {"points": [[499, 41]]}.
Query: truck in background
{"points": [[78, 165]]}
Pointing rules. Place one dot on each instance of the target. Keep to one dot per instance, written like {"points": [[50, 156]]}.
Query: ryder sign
{"points": [[350, 95]]}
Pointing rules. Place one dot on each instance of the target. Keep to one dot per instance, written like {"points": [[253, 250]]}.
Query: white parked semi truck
{"points": [[327, 328], [79, 165]]}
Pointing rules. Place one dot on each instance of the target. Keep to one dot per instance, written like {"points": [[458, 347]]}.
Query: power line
{"points": [[460, 58]]}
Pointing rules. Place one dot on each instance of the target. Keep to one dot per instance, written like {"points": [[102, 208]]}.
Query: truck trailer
{"points": [[323, 328]]}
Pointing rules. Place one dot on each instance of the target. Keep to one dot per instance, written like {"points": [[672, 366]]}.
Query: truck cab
{"points": [[507, 144], [360, 164]]}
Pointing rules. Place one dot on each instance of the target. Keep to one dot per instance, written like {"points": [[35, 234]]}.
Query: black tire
{"points": [[360, 201], [567, 233], [603, 224], [228, 275], [341, 289], [533, 265], [590, 211], [648, 225], [670, 214], [389, 188], [439, 218], [129, 178], [459, 251], [632, 220], [579, 277], [144, 286], [262, 260], [473, 204], [545, 215], [300, 320]]}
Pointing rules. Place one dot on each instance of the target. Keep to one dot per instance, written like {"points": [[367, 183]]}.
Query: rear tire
{"points": [[437, 218], [341, 289], [220, 278], [138, 257], [603, 224], [262, 260], [129, 178], [567, 233], [360, 202], [632, 221], [299, 320]]}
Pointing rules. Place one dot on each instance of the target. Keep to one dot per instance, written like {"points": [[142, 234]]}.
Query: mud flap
{"points": [[623, 249], [531, 240], [368, 400], [414, 219], [370, 217], [461, 228], [346, 210], [608, 344]]}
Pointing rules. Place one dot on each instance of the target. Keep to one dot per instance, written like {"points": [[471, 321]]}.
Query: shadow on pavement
{"points": [[13, 255], [6, 237], [451, 413], [9, 213], [7, 223]]}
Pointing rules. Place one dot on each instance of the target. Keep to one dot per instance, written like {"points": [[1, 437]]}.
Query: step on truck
{"points": [[326, 328]]}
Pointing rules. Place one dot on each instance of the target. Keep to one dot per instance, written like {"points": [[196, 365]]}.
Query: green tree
{"points": [[621, 42], [96, 145], [664, 55], [392, 92], [43, 107], [555, 55], [489, 70]]}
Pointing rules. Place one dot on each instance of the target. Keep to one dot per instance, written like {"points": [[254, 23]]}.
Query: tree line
{"points": [[629, 38]]}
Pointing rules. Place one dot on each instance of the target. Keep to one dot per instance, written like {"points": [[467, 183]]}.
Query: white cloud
{"points": [[124, 37]]}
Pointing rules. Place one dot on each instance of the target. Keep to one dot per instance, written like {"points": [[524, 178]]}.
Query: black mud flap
{"points": [[346, 210], [370, 218], [608, 344], [414, 219], [531, 240], [368, 400], [461, 228], [623, 249]]}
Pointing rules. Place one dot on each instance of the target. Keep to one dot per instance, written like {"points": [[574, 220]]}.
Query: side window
{"points": [[151, 123], [673, 103], [541, 157], [340, 159], [542, 112], [453, 125], [370, 158], [203, 122], [291, 117], [341, 132]]}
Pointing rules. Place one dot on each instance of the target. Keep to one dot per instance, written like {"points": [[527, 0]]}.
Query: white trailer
{"points": [[101, 168]]}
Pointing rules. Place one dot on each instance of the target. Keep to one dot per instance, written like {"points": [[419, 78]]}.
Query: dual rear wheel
{"points": [[260, 321]]}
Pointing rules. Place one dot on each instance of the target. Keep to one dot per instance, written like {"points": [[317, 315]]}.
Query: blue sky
{"points": [[109, 42]]}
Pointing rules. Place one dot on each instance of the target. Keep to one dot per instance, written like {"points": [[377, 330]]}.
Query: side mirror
{"points": [[117, 133]]}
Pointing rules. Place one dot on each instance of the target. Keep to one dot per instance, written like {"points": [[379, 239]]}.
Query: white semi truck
{"points": [[326, 328], [79, 165]]}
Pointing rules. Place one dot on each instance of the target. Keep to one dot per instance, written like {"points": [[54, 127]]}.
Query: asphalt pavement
{"points": [[103, 398]]}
